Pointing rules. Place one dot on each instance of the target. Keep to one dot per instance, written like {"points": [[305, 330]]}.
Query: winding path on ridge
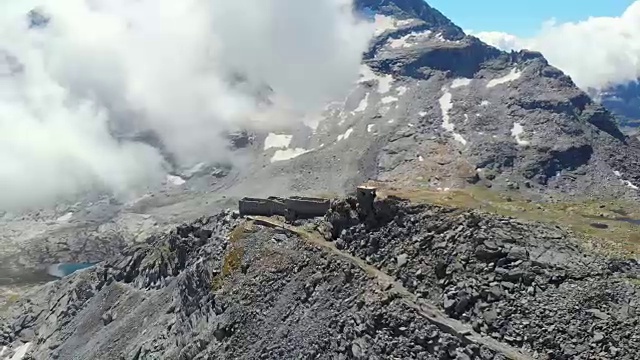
{"points": [[388, 283]]}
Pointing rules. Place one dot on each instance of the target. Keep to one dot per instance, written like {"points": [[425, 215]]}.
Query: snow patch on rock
{"points": [[401, 23], [65, 218], [277, 141], [630, 184], [445, 106], [511, 76], [389, 99], [364, 103], [408, 40], [460, 82], [384, 84], [399, 43], [401, 90], [516, 132], [370, 127], [440, 37], [175, 180], [288, 154], [625, 182], [457, 137], [21, 351], [346, 134], [484, 103]]}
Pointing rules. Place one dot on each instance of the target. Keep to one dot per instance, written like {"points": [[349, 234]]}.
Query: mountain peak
{"points": [[413, 9]]}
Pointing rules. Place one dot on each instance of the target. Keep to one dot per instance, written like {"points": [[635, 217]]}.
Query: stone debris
{"points": [[226, 287], [218, 288], [527, 285]]}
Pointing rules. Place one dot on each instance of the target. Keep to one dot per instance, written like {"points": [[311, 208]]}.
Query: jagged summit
{"points": [[412, 10]]}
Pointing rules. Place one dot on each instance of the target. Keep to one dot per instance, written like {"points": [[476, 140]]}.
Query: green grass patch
{"points": [[233, 258], [8, 301], [634, 281]]}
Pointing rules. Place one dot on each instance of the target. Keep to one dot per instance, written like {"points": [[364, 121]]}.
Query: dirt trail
{"points": [[388, 283]]}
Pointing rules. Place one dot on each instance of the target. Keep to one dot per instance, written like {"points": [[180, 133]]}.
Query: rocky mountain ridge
{"points": [[401, 282], [491, 273], [434, 109]]}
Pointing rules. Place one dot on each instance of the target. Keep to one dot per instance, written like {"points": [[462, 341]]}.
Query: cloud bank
{"points": [[596, 52], [80, 78]]}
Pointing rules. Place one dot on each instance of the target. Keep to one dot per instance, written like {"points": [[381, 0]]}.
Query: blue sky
{"points": [[523, 17]]}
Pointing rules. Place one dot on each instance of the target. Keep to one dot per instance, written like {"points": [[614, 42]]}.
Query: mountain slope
{"points": [[467, 286], [440, 109], [192, 310], [433, 109]]}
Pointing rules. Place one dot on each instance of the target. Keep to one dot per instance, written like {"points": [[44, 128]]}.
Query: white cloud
{"points": [[105, 66], [501, 40], [595, 52]]}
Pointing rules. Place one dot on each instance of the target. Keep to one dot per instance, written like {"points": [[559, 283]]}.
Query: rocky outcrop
{"points": [[129, 289], [437, 108], [527, 285], [219, 288], [433, 108]]}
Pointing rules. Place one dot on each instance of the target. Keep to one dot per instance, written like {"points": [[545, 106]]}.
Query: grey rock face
{"points": [[204, 291], [524, 284], [411, 9], [433, 108], [439, 109], [219, 288]]}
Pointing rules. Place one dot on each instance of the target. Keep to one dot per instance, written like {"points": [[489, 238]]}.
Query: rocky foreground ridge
{"points": [[434, 109], [402, 281]]}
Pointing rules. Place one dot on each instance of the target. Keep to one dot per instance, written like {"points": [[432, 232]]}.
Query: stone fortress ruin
{"points": [[299, 207]]}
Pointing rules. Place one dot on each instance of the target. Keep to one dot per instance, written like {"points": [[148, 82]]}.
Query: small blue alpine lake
{"points": [[61, 270]]}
